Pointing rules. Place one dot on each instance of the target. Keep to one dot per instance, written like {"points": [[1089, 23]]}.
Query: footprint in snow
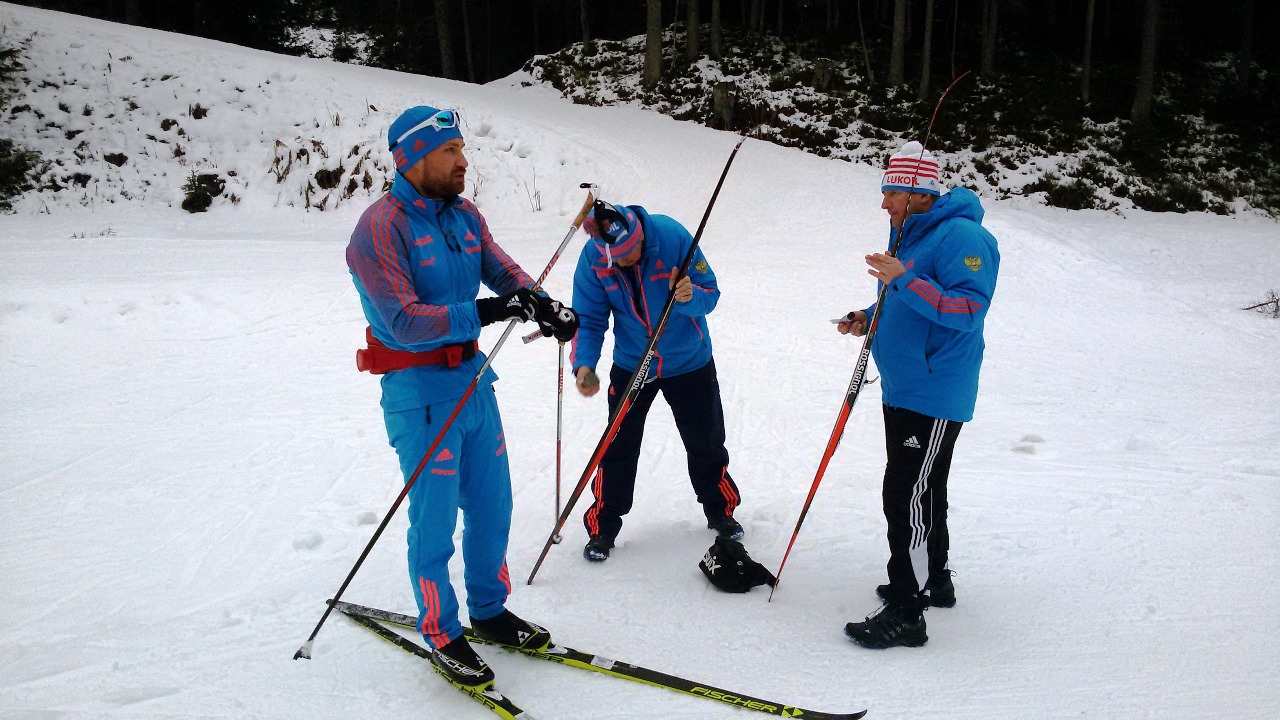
{"points": [[308, 541], [1027, 445]]}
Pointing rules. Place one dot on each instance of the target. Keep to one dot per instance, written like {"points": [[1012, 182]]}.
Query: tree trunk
{"points": [[955, 24], [466, 42], [926, 56], [1245, 76], [990, 17], [717, 42], [588, 47], [653, 45], [533, 8], [197, 18], [756, 23], [897, 60], [691, 52], [447, 70], [1086, 68], [866, 54], [723, 96], [824, 71], [1142, 99], [778, 29]]}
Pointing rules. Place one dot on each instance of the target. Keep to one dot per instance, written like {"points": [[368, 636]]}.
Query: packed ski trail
{"points": [[189, 462]]}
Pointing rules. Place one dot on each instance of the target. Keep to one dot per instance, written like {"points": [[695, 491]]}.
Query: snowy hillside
{"points": [[190, 464]]}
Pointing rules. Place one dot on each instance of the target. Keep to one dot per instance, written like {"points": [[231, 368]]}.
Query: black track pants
{"points": [[919, 451], [694, 398]]}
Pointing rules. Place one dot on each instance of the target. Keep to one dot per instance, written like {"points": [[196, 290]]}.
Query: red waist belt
{"points": [[380, 359]]}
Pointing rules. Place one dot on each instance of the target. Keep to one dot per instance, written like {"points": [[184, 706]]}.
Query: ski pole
{"points": [[305, 650], [641, 373], [559, 432], [860, 368]]}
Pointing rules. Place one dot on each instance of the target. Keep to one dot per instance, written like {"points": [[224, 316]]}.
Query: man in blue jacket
{"points": [[418, 256], [928, 346], [626, 271]]}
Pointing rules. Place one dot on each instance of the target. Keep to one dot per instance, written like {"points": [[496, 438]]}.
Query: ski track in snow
{"points": [[191, 464]]}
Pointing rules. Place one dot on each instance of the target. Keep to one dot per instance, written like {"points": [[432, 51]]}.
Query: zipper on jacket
{"points": [[449, 239], [636, 291]]}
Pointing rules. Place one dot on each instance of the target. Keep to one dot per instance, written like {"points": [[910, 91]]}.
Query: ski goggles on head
{"points": [[442, 120], [611, 224], [617, 230]]}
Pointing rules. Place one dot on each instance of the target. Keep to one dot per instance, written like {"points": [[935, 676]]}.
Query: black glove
{"points": [[556, 319], [519, 305]]}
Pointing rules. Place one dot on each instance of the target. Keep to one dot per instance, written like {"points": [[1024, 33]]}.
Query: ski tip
{"points": [[304, 652]]}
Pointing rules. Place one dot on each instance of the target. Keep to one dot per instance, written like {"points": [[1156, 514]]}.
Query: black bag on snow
{"points": [[728, 566]]}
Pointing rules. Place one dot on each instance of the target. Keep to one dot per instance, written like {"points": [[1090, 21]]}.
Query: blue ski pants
{"points": [[468, 471]]}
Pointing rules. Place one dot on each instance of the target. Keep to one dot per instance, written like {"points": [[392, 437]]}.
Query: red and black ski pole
{"points": [[639, 376], [305, 650], [860, 368]]}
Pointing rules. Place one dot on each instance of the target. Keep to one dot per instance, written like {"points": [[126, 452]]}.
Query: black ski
{"points": [[490, 698], [595, 663]]}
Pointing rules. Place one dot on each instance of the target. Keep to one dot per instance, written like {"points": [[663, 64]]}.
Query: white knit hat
{"points": [[912, 169]]}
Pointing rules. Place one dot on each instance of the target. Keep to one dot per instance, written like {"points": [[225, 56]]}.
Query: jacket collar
{"points": [[406, 193]]}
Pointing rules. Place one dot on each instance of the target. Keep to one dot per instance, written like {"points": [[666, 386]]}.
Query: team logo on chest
{"points": [[973, 262], [701, 266]]}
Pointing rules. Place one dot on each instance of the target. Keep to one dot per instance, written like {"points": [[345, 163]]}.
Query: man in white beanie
{"points": [[939, 277]]}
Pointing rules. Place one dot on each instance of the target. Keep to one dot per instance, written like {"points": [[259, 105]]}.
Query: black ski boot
{"points": [[726, 527], [938, 590], [508, 629], [597, 549], [462, 665], [889, 626]]}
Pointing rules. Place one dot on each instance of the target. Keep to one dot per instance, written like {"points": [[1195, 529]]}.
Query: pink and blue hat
{"points": [[615, 230]]}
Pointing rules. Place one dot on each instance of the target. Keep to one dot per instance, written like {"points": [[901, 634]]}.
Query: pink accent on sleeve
{"points": [[943, 303]]}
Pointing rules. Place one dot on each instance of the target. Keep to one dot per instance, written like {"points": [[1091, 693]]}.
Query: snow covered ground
{"points": [[190, 464]]}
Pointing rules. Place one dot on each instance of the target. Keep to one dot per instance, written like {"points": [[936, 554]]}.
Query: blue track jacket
{"points": [[635, 297], [929, 343], [418, 264]]}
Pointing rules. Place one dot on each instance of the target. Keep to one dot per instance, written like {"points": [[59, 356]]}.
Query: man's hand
{"points": [[556, 319], [682, 290], [885, 268], [587, 381], [855, 324], [517, 305]]}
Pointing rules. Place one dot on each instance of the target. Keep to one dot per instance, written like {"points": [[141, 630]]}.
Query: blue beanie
{"points": [[418, 131]]}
